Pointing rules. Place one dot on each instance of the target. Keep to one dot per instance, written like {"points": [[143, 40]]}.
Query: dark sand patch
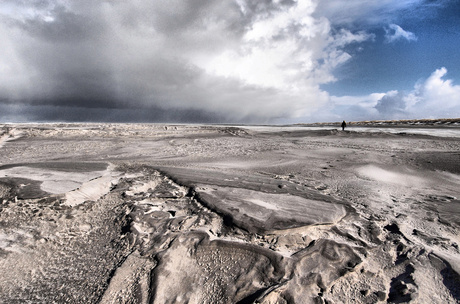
{"points": [[24, 188], [438, 160]]}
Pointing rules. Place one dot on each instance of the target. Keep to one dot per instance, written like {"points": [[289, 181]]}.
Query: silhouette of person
{"points": [[344, 124]]}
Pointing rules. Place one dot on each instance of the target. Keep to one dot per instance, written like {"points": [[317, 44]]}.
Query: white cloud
{"points": [[349, 108], [345, 37], [433, 98], [368, 101], [394, 33], [289, 51], [392, 106], [359, 11]]}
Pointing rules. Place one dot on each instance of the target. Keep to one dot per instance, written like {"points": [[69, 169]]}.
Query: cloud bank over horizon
{"points": [[203, 61], [434, 97]]}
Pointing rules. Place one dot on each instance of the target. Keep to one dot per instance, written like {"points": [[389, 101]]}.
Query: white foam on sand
{"points": [[282, 206], [143, 187], [263, 203], [53, 181], [90, 191], [77, 186], [11, 135], [15, 241], [93, 189], [392, 177]]}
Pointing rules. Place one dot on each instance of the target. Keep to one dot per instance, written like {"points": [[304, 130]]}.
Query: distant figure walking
{"points": [[344, 125]]}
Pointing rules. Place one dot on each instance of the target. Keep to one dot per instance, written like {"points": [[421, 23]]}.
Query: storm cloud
{"points": [[231, 60], [184, 61]]}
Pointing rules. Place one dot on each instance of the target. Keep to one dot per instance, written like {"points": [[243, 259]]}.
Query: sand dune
{"points": [[120, 213]]}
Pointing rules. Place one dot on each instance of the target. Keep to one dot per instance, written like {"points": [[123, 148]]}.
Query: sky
{"points": [[230, 61]]}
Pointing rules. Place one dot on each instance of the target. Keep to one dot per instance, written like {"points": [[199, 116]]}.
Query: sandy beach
{"points": [[150, 213]]}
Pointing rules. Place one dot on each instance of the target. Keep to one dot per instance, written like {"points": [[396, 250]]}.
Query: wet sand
{"points": [[139, 213]]}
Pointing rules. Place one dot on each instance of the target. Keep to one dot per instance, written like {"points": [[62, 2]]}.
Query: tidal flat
{"points": [[162, 213]]}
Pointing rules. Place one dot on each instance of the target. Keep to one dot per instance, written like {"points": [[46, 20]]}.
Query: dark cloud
{"points": [[177, 17], [265, 8], [134, 57], [39, 113], [189, 61], [62, 26]]}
